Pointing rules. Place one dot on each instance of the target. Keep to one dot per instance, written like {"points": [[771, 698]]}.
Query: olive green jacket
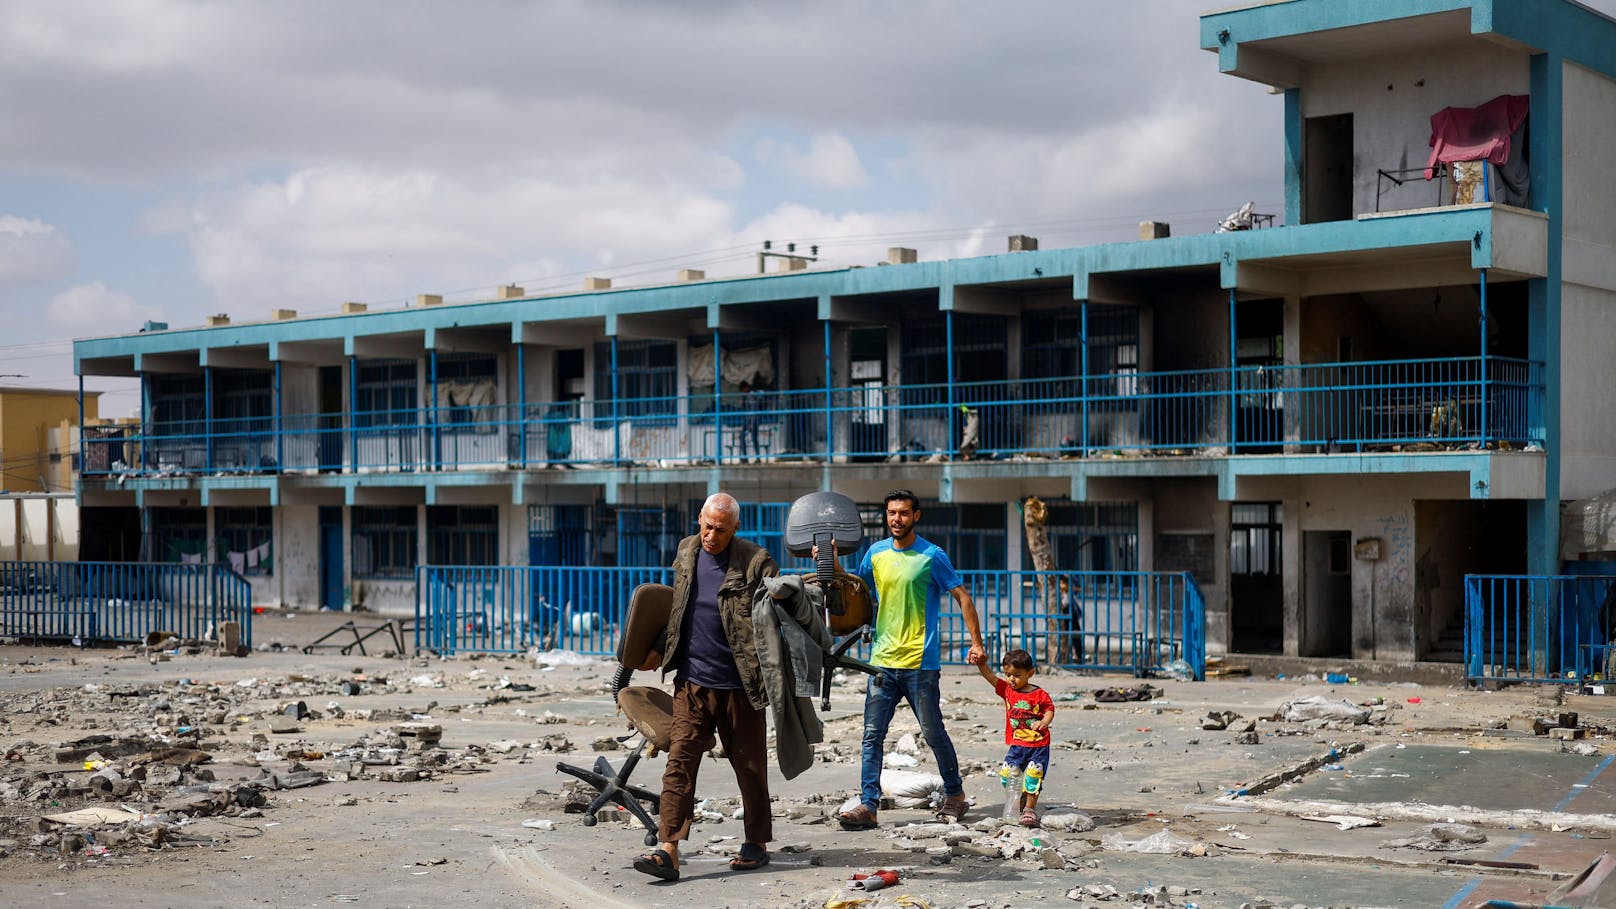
{"points": [[749, 564]]}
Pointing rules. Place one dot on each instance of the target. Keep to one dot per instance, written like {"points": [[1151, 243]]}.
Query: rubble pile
{"points": [[169, 754]]}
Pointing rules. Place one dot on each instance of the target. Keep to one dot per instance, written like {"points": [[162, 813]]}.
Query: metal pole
{"points": [[829, 447], [948, 358], [617, 434], [432, 368], [718, 401], [279, 422], [207, 415], [1234, 393], [1483, 293], [1083, 389], [353, 409], [521, 405]]}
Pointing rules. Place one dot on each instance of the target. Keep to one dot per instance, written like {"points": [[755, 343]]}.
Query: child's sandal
{"points": [[1029, 818]]}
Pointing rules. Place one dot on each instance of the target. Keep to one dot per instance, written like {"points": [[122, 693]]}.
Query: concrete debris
{"points": [[1441, 838]]}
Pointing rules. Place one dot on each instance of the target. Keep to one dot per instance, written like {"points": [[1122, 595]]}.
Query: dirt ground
{"points": [[290, 779]]}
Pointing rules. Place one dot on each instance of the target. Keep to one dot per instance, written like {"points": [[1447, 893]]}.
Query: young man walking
{"points": [[908, 576]]}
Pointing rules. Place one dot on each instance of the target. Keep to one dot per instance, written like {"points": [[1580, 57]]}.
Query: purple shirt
{"points": [[708, 660]]}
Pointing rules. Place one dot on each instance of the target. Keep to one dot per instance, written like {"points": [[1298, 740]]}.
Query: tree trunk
{"points": [[1034, 514]]}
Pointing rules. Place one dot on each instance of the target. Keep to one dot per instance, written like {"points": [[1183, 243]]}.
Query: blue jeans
{"points": [[920, 688]]}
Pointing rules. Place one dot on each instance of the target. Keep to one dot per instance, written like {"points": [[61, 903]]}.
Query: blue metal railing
{"points": [[107, 602], [1538, 628], [1328, 406], [1132, 621]]}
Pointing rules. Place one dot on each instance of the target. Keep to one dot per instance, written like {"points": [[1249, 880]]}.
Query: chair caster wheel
{"points": [[650, 838], [590, 820]]}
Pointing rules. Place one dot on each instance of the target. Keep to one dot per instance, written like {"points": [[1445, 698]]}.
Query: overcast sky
{"points": [[168, 160]]}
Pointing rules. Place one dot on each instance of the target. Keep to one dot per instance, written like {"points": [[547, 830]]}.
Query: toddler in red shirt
{"points": [[1028, 711]]}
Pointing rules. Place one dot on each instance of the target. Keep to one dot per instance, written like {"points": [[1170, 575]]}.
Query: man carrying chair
{"points": [[710, 647]]}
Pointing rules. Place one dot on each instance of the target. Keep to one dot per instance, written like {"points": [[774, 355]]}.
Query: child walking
{"points": [[1028, 711]]}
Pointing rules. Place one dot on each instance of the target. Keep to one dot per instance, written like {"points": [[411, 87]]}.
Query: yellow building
{"points": [[39, 437]]}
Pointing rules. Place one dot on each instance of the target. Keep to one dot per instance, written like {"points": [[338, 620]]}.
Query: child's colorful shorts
{"points": [[1032, 762]]}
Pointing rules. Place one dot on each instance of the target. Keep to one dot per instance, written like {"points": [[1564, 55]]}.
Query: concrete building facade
{"points": [[1327, 420]]}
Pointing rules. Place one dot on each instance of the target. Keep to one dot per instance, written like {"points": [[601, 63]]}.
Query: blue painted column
{"points": [[1485, 428], [1293, 156], [432, 390], [146, 428], [280, 419], [1083, 354], [84, 449], [521, 405], [830, 447], [1234, 376], [207, 415], [948, 357], [1543, 310], [718, 401], [617, 434]]}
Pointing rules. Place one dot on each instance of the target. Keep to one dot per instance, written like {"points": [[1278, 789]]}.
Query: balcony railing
{"points": [[1450, 403]]}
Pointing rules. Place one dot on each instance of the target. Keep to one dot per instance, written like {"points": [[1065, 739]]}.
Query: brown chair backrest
{"points": [[646, 625]]}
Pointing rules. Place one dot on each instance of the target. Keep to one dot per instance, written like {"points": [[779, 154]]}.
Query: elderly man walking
{"points": [[718, 685]]}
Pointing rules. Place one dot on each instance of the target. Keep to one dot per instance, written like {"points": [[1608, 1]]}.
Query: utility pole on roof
{"points": [[790, 253]]}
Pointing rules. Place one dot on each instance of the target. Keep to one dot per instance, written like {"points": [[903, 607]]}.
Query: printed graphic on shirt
{"points": [[1022, 710], [908, 585]]}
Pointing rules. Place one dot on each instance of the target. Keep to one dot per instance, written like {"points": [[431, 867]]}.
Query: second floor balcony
{"points": [[1398, 405]]}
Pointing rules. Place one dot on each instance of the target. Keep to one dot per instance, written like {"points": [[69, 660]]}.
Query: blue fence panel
{"points": [[1133, 621], [509, 609], [1539, 628], [120, 602], [1129, 621]]}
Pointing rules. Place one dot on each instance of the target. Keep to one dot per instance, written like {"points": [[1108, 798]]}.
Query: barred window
{"points": [[383, 542], [244, 539], [462, 535]]}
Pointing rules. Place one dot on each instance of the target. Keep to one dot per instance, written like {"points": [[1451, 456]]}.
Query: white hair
{"points": [[723, 503]]}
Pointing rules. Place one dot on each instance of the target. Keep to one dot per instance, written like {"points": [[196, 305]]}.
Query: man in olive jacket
{"points": [[718, 684]]}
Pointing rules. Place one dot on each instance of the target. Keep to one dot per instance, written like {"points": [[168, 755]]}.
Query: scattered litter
{"points": [[1341, 821], [1317, 707], [539, 823], [1134, 693], [911, 789], [875, 880], [1162, 842]]}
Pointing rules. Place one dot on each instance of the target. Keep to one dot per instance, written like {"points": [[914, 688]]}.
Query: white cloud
{"points": [[32, 251], [329, 234], [95, 309], [830, 160]]}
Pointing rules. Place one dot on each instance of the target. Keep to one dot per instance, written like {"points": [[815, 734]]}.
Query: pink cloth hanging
{"points": [[1473, 133]]}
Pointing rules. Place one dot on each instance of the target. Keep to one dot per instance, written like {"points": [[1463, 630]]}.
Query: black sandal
{"points": [[751, 858], [658, 864]]}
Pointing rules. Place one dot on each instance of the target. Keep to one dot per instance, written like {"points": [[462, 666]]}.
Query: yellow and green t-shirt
{"points": [[909, 585]]}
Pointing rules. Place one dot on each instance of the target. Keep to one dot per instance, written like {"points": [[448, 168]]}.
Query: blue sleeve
{"points": [[866, 573], [942, 571]]}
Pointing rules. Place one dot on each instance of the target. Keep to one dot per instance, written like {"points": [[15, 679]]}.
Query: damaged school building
{"points": [[1326, 415]]}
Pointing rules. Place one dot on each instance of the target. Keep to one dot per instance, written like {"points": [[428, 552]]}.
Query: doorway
{"points": [[331, 579], [867, 369], [329, 448], [1260, 343], [1327, 169], [1326, 593], [1256, 594]]}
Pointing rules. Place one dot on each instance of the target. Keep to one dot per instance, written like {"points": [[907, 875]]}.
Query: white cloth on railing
{"points": [[190, 558], [238, 561]]}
